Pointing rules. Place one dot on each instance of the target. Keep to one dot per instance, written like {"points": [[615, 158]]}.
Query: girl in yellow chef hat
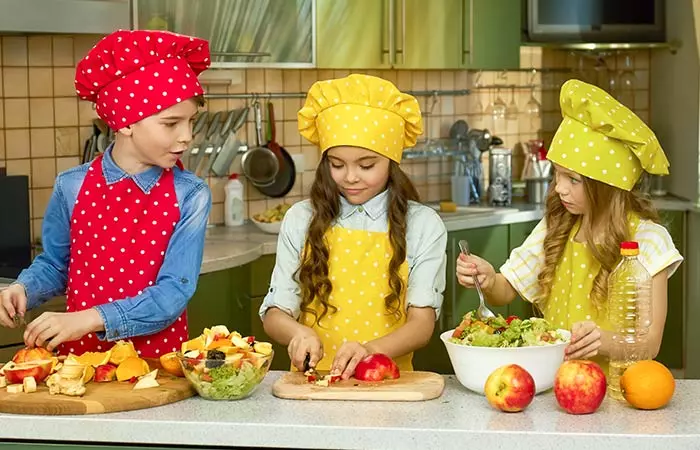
{"points": [[599, 152], [360, 266]]}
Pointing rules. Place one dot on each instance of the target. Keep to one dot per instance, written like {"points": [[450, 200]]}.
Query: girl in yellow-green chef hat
{"points": [[360, 266], [599, 153]]}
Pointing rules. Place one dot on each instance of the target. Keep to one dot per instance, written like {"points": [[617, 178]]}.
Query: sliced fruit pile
{"points": [[29, 367]]}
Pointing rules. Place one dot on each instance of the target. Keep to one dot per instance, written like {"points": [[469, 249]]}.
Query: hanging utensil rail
{"points": [[258, 95]]}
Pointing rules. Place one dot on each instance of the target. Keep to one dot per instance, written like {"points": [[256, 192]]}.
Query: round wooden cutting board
{"points": [[99, 398]]}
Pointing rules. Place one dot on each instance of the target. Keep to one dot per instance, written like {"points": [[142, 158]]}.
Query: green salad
{"points": [[505, 332], [228, 382]]}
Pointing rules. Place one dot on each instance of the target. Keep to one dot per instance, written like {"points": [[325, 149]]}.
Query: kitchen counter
{"points": [[457, 419], [225, 248]]}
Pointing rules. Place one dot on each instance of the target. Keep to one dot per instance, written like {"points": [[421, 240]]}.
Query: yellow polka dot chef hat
{"points": [[361, 111], [601, 139]]}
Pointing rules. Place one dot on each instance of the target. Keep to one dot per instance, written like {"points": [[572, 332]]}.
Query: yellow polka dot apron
{"points": [[358, 268], [569, 301]]}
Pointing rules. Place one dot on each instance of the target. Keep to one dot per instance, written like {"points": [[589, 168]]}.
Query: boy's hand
{"points": [[13, 300], [52, 329]]}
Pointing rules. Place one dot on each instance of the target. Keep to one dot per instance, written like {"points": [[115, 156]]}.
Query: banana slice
{"points": [[3, 382], [15, 388], [29, 384]]}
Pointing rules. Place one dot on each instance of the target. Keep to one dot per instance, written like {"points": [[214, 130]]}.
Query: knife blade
{"points": [[20, 322], [310, 371]]}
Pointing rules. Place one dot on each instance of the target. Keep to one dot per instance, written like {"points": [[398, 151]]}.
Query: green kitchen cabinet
{"points": [[417, 34], [261, 272], [281, 359], [492, 34], [221, 298], [671, 352], [352, 34]]}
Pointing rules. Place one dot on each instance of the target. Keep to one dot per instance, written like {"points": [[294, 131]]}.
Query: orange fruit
{"points": [[132, 366], [88, 374], [219, 343], [121, 351], [93, 359], [647, 385], [171, 364]]}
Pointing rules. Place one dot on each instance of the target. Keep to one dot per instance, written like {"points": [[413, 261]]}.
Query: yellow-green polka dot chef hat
{"points": [[361, 111], [601, 139]]}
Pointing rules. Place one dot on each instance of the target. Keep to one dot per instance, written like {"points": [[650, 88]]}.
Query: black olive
{"points": [[215, 358]]}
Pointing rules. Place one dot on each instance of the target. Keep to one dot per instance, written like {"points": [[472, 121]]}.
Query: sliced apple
{"points": [[145, 383], [9, 365], [150, 375], [15, 388], [240, 343], [264, 348], [220, 330], [29, 384]]}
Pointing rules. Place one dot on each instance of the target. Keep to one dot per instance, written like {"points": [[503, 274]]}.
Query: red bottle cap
{"points": [[233, 176], [631, 245]]}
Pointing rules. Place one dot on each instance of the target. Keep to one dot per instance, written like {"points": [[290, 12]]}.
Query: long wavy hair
{"points": [[312, 273], [604, 228]]}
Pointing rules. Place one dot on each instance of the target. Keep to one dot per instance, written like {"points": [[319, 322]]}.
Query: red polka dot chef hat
{"points": [[131, 75]]}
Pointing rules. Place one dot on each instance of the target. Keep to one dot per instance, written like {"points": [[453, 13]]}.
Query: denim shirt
{"points": [[159, 305], [426, 242]]}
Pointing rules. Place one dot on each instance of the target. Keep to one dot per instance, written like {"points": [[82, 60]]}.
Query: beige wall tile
{"points": [[216, 186], [67, 142], [2, 145], [17, 113], [41, 112], [217, 213], [311, 158], [20, 167], [63, 164], [82, 44], [256, 207], [14, 51], [40, 52], [291, 107], [291, 135], [86, 113], [66, 111], [308, 77], [273, 80], [43, 142], [63, 51], [40, 82], [36, 229], [43, 172], [2, 115], [63, 78], [291, 80], [15, 82], [40, 199], [255, 80], [252, 193], [17, 143], [404, 80]]}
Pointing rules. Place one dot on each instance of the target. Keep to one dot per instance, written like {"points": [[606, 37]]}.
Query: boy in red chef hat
{"points": [[123, 235]]}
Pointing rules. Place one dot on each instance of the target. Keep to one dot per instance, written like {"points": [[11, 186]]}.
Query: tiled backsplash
{"points": [[43, 125]]}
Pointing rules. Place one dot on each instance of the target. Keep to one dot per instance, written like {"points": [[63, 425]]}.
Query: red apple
{"points": [[579, 386], [376, 367], [510, 388], [31, 354], [105, 373], [39, 370]]}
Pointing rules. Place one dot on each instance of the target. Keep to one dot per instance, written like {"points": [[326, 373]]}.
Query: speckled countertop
{"points": [[458, 419], [225, 248]]}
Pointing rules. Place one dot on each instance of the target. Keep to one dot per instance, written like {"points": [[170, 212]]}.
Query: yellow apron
{"points": [[569, 300], [358, 268]]}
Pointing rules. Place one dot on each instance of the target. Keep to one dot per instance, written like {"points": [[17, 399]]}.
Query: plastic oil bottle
{"points": [[234, 205], [629, 313]]}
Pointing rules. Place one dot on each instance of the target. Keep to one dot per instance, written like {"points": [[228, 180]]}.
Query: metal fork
{"points": [[482, 312]]}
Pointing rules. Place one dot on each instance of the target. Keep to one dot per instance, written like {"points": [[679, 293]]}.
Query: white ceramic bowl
{"points": [[473, 365], [272, 228]]}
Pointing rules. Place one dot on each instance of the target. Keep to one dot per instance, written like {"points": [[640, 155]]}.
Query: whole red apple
{"points": [[510, 388], [579, 386], [31, 354], [39, 369], [376, 367]]}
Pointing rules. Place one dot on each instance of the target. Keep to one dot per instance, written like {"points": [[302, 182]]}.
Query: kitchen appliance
{"points": [[537, 172], [15, 234], [594, 20], [500, 177], [410, 386], [64, 16]]}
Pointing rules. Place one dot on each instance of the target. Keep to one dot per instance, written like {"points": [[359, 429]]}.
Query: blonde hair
{"points": [[605, 227]]}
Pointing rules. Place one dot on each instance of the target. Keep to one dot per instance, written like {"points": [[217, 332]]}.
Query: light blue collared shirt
{"points": [[426, 242], [159, 305]]}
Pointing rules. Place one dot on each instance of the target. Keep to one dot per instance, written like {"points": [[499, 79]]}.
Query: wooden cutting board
{"points": [[409, 387], [98, 398]]}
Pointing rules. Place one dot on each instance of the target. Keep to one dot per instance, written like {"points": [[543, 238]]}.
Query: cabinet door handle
{"points": [[403, 32], [467, 6], [392, 38]]}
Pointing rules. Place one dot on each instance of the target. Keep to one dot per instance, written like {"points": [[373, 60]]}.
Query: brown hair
{"points": [[325, 201], [604, 229]]}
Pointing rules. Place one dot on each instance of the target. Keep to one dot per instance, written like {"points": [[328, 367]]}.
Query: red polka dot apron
{"points": [[119, 235]]}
